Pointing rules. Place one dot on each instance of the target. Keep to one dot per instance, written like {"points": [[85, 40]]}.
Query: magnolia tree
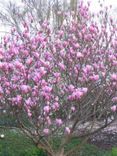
{"points": [[60, 85]]}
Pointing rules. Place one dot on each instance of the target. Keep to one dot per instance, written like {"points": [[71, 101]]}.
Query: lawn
{"points": [[16, 144]]}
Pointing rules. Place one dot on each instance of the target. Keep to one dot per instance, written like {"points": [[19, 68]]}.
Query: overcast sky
{"points": [[94, 6], [94, 3], [107, 2]]}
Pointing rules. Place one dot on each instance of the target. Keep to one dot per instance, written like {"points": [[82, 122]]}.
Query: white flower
{"points": [[2, 135]]}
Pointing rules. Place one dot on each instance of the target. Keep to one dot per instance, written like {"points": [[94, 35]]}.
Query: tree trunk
{"points": [[60, 153], [49, 153]]}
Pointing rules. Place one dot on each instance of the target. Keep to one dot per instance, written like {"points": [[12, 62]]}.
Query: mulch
{"points": [[104, 140]]}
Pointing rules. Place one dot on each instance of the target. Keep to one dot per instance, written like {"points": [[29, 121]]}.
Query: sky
{"points": [[94, 3], [94, 7]]}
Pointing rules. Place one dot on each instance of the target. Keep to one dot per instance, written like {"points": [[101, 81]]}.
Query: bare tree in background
{"points": [[13, 14]]}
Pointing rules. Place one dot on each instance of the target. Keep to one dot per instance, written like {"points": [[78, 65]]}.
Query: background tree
{"points": [[14, 14]]}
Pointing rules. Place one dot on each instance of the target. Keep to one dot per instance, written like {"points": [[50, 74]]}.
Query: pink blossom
{"points": [[47, 89], [46, 109], [1, 56], [92, 29], [62, 66], [76, 46], [70, 97], [67, 130], [29, 61], [114, 77], [79, 55], [1, 91], [28, 101], [7, 84], [29, 114], [59, 122], [55, 106], [42, 71], [76, 95], [19, 65], [25, 53], [56, 98], [114, 99], [57, 76], [25, 89], [87, 69], [84, 90], [114, 63], [48, 120], [71, 88], [73, 109], [19, 99], [8, 92], [43, 83], [46, 131], [114, 108], [94, 77], [37, 77]]}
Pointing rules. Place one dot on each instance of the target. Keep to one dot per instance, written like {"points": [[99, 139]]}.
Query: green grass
{"points": [[16, 144]]}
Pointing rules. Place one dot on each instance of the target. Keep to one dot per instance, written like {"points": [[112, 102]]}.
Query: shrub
{"points": [[33, 152], [114, 151]]}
